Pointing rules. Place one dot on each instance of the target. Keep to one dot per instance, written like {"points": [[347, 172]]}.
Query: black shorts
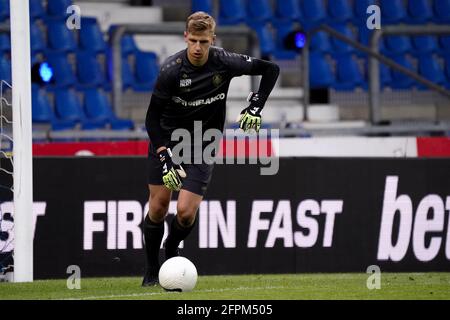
{"points": [[197, 178]]}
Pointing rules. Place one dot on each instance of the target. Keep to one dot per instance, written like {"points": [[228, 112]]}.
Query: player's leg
{"points": [[184, 221]]}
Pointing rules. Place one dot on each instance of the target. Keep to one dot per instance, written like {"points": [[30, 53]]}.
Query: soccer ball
{"points": [[178, 274]]}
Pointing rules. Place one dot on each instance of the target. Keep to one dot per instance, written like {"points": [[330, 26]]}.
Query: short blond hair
{"points": [[200, 21]]}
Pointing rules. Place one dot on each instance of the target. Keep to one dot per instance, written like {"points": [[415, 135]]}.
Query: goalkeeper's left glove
{"points": [[250, 117]]}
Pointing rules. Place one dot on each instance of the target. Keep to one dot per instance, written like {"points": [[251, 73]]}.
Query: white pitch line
{"points": [[161, 293]]}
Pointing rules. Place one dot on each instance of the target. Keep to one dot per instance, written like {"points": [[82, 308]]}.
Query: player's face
{"points": [[198, 44]]}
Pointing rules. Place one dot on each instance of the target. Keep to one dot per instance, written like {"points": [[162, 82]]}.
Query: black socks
{"points": [[153, 234], [177, 233]]}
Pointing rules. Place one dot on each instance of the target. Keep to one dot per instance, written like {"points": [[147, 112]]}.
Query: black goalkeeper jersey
{"points": [[194, 93]]}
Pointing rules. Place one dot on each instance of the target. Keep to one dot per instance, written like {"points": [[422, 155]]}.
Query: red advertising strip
{"points": [[229, 147], [433, 147]]}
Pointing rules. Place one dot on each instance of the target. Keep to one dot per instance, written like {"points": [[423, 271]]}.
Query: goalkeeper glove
{"points": [[172, 173], [250, 117]]}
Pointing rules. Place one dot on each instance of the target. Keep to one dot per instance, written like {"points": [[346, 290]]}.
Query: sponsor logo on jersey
{"points": [[185, 83], [199, 102]]}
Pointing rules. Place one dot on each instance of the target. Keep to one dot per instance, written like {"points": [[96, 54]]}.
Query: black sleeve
{"points": [[164, 84], [240, 64], [152, 122]]}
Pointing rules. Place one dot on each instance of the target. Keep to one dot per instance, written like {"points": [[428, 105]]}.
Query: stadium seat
{"points": [[399, 79], [146, 69], [419, 11], [385, 75], [348, 74], [5, 69], [5, 44], [424, 44], [430, 68], [58, 8], [231, 12], [339, 11], [313, 13], [98, 108], [282, 29], [63, 73], [392, 11], [69, 108], [91, 37], [60, 38], [127, 43], [202, 5], [259, 12], [42, 111], [320, 71], [4, 10], [340, 47], [287, 10], [320, 41], [360, 14], [441, 11], [38, 44], [447, 71], [397, 45], [444, 42], [89, 71], [127, 74], [37, 10], [266, 39]]}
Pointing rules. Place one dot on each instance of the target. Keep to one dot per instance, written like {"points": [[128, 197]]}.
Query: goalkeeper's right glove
{"points": [[172, 173]]}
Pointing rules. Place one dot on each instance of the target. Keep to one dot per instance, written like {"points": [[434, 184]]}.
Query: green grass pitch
{"points": [[343, 286]]}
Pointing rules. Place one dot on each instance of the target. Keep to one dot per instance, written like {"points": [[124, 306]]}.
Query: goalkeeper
{"points": [[192, 86]]}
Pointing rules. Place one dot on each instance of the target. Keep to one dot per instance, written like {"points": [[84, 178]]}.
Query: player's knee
{"points": [[186, 215], [158, 209]]}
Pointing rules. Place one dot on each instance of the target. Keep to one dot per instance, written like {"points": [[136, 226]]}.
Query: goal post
{"points": [[22, 140]]}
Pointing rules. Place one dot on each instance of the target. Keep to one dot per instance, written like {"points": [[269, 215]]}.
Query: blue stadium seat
{"points": [[419, 11], [5, 44], [69, 108], [339, 11], [348, 74], [60, 38], [89, 71], [98, 108], [441, 11], [91, 37], [394, 45], [400, 80], [320, 71], [360, 11], [430, 68], [313, 13], [42, 111], [127, 43], [202, 5], [259, 12], [231, 12], [320, 41], [424, 44], [58, 8], [127, 74], [282, 29], [4, 10], [38, 44], [37, 10], [385, 75], [63, 73], [287, 10], [444, 42], [447, 71], [392, 11], [266, 39], [147, 69], [340, 47], [5, 69]]}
